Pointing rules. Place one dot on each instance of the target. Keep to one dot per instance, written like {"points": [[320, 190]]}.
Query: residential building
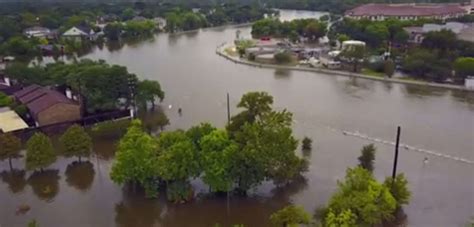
{"points": [[80, 32], [38, 32], [463, 31], [406, 11], [48, 106]]}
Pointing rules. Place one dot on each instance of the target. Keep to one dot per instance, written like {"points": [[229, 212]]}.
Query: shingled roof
{"points": [[422, 10], [38, 98]]}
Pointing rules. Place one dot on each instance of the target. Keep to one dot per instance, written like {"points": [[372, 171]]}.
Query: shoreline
{"points": [[220, 50]]}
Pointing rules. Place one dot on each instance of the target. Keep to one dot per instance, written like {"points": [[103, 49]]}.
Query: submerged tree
{"points": [[369, 201], [76, 142], [218, 152], [399, 189], [10, 147], [149, 91], [367, 157], [290, 216], [136, 159], [39, 152]]}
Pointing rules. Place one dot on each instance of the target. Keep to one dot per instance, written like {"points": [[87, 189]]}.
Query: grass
{"points": [[369, 72], [231, 51]]}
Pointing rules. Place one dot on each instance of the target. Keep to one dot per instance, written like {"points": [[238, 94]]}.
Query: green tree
{"points": [[370, 202], [426, 64], [128, 13], [389, 68], [377, 33], [196, 133], [399, 189], [342, 37], [290, 216], [283, 57], [136, 159], [39, 152], [5, 100], [76, 142], [217, 154], [367, 157], [178, 159], [113, 31], [10, 147], [443, 40], [148, 91], [344, 219], [306, 143], [464, 66], [354, 55], [255, 105], [315, 30]]}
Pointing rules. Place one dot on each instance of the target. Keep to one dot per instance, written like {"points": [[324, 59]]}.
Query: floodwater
{"points": [[434, 121]]}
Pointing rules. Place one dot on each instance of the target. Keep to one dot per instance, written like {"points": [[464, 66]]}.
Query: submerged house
{"points": [[48, 106], [79, 33]]}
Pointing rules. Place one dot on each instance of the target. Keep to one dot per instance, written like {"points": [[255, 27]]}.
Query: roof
{"points": [[10, 121], [78, 31], [405, 10], [38, 98], [37, 29]]}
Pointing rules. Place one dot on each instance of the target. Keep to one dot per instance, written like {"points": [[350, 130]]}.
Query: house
{"points": [[38, 32], [48, 106], [79, 33], [406, 11], [463, 31]]}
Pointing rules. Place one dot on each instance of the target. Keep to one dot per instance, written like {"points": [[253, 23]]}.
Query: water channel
{"points": [[435, 121]]}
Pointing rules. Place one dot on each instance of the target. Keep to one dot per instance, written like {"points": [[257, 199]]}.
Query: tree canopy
{"points": [[290, 216], [39, 152], [76, 142], [136, 159], [369, 201], [311, 29], [367, 157], [10, 147]]}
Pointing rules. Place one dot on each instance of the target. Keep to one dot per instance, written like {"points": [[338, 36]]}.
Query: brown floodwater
{"points": [[434, 121]]}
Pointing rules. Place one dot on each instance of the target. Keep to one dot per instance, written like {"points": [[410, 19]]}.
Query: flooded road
{"points": [[197, 80]]}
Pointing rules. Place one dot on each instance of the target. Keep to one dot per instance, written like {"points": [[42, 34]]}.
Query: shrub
{"points": [[283, 57], [5, 100]]}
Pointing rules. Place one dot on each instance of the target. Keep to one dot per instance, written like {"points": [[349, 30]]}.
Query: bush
{"points": [[283, 57], [109, 128], [21, 110], [5, 100]]}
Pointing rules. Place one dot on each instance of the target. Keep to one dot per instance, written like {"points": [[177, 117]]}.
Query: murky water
{"points": [[197, 80]]}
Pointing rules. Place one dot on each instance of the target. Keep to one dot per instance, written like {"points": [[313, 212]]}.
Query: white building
{"points": [[469, 82], [38, 32], [80, 32]]}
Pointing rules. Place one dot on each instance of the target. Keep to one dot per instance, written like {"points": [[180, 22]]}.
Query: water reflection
{"points": [[114, 46], [282, 73], [136, 210], [15, 179], [423, 91], [80, 175], [154, 120], [45, 184], [464, 96]]}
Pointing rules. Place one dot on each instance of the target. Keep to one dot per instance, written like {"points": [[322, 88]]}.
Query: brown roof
{"points": [[38, 98], [405, 10]]}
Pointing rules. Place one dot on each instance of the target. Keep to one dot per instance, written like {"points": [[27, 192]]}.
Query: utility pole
{"points": [[395, 161], [228, 109]]}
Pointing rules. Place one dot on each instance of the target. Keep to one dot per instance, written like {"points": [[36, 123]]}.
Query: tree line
{"points": [[257, 145], [439, 54], [310, 29]]}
